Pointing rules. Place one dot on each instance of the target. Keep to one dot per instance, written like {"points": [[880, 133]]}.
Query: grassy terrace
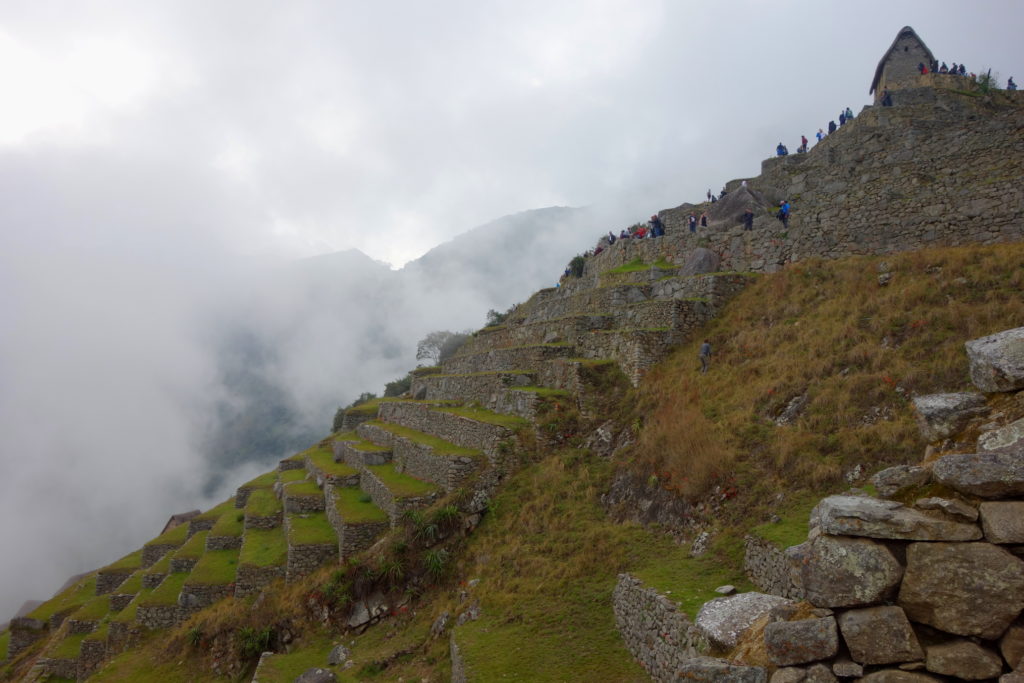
{"points": [[215, 568], [68, 648], [289, 476], [489, 373], [175, 536], [101, 633], [74, 596], [368, 408], [544, 392], [131, 585], [638, 264], [264, 481], [263, 503], [401, 485], [230, 523], [214, 513], [439, 446], [5, 642], [355, 507], [127, 615], [311, 529], [323, 460], [193, 548], [126, 564], [349, 435], [368, 447], [304, 489], [487, 416], [166, 594], [94, 610], [161, 567], [264, 548]]}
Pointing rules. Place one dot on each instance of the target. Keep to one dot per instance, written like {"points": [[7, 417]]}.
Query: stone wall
{"points": [[302, 503], [251, 579], [636, 351], [347, 452], [92, 654], [656, 632], [262, 522], [79, 626], [385, 500], [108, 581], [122, 635], [352, 538], [24, 632], [60, 667], [420, 461], [151, 554], [291, 464], [305, 559], [223, 542], [195, 525], [196, 596], [153, 580], [160, 616], [322, 478], [458, 666], [461, 431], [183, 565], [529, 358], [118, 601], [766, 566], [485, 389]]}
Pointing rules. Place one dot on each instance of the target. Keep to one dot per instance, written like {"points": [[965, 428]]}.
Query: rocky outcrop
{"points": [[997, 361], [986, 475], [940, 416], [862, 516], [723, 620]]}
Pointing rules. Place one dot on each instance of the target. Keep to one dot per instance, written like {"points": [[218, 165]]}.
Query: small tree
{"points": [[439, 345], [398, 387], [576, 266], [495, 318]]}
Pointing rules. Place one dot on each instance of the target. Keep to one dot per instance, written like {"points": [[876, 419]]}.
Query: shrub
{"points": [[398, 387], [253, 642], [436, 563], [576, 266]]}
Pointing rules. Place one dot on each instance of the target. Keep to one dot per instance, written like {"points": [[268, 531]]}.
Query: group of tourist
{"points": [[956, 70], [845, 116]]}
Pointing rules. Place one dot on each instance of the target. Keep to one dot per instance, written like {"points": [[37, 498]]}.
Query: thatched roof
{"points": [[905, 31]]}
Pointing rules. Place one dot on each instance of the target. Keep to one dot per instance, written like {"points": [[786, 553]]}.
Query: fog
{"points": [[177, 180]]}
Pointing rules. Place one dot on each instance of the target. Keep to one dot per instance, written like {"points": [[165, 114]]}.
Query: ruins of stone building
{"points": [[899, 65]]}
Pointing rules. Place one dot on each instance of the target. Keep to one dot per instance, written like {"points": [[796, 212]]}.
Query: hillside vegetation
{"points": [[539, 570]]}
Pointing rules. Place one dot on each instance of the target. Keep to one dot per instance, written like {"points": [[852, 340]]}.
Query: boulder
{"points": [[879, 635], [847, 668], [699, 262], [1008, 437], [1012, 646], [951, 506], [723, 620], [837, 571], [714, 670], [897, 676], [986, 475], [874, 518], [963, 659], [940, 416], [969, 589], [892, 480], [818, 673], [801, 642], [337, 655], [997, 361], [1003, 521], [316, 675]]}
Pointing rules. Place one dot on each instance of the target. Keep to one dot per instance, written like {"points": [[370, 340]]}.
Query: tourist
{"points": [[624, 235], [1010, 85], [781, 150], [692, 220], [943, 69], [820, 135], [783, 214], [709, 194], [611, 238], [842, 119], [748, 220], [803, 145], [641, 232], [831, 127], [849, 114], [703, 220], [657, 227], [953, 69], [714, 199], [963, 70], [705, 356], [886, 98], [922, 68]]}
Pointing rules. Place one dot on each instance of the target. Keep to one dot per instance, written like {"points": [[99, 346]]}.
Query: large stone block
{"points": [[970, 589], [879, 635], [963, 659], [1006, 438], [997, 361], [819, 673], [723, 620], [837, 571], [1003, 521], [1012, 646], [874, 518], [801, 642], [892, 480], [940, 416], [986, 475], [897, 676]]}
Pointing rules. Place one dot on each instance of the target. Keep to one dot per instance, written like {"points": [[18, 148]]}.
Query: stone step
{"points": [[159, 608], [483, 388], [211, 579], [358, 452], [528, 358], [113, 575], [302, 496], [395, 492], [312, 542], [185, 557], [635, 350], [263, 559], [61, 659], [263, 510], [166, 542], [424, 456], [473, 428], [226, 533], [584, 300], [357, 521], [264, 481], [566, 329], [126, 592], [324, 469]]}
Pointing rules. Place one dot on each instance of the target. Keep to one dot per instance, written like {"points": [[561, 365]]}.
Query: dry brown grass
{"points": [[828, 331]]}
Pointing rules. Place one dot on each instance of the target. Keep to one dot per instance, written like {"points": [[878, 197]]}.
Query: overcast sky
{"points": [[150, 151]]}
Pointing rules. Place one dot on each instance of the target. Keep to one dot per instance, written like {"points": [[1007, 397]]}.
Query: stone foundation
{"points": [[251, 580], [197, 596], [92, 654], [160, 616], [223, 542], [107, 582], [305, 559], [24, 632], [151, 554], [766, 566], [386, 501]]}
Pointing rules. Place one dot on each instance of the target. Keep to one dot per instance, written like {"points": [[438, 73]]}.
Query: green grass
{"points": [[193, 548], [131, 585], [262, 503], [793, 527], [94, 610], [175, 536], [289, 476], [161, 567], [264, 548], [285, 668], [69, 647], [368, 408], [5, 643], [101, 633], [311, 529], [127, 615], [487, 416], [349, 435], [166, 593], [544, 392], [401, 485], [352, 509], [128, 563], [215, 568], [439, 446], [630, 267], [231, 523], [304, 489], [72, 597], [215, 512], [323, 460], [264, 481]]}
